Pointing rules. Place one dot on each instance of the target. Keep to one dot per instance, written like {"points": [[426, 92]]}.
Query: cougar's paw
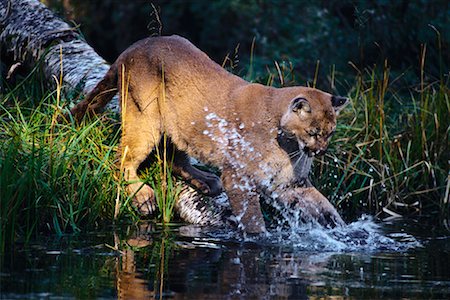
{"points": [[329, 217], [327, 214], [143, 199], [313, 206], [209, 185]]}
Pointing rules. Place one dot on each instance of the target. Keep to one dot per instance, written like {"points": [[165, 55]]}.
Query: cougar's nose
{"points": [[308, 151]]}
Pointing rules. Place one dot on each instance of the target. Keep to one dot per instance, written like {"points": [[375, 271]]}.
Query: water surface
{"points": [[364, 261]]}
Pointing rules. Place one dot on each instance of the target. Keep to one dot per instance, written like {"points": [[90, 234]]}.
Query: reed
{"points": [[53, 177], [165, 186], [391, 150], [390, 155]]}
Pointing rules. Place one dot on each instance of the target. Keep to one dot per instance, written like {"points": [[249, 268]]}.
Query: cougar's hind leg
{"points": [[140, 134], [206, 182]]}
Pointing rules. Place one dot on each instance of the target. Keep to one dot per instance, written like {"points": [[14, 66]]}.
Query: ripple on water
{"points": [[363, 235]]}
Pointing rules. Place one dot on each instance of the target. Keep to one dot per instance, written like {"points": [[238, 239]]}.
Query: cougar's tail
{"points": [[97, 99]]}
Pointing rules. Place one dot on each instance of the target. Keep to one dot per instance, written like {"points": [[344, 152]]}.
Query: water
{"points": [[363, 261]]}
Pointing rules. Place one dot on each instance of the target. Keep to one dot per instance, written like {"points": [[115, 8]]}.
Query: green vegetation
{"points": [[391, 150], [53, 177], [390, 153], [60, 177]]}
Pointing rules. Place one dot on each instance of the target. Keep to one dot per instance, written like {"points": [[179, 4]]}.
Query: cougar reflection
{"points": [[130, 283], [176, 264]]}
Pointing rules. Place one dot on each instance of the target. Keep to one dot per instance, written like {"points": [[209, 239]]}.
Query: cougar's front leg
{"points": [[244, 201], [206, 182]]}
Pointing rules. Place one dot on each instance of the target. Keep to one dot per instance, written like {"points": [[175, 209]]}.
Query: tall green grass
{"points": [[391, 152], [62, 177], [390, 156], [53, 177]]}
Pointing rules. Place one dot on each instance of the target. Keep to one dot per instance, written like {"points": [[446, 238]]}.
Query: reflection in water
{"points": [[203, 266], [130, 284], [205, 269], [187, 263]]}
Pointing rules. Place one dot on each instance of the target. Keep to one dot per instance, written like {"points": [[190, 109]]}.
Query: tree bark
{"points": [[30, 33], [33, 34]]}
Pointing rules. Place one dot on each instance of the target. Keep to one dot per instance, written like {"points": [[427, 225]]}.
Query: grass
{"points": [[390, 155], [54, 178], [391, 152], [164, 184], [62, 178]]}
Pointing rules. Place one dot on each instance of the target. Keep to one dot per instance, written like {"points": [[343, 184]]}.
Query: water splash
{"points": [[297, 224], [363, 235]]}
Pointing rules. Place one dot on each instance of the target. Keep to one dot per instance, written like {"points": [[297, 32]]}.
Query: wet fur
{"points": [[262, 138]]}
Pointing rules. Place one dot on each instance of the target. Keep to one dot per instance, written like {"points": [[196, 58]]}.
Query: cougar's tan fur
{"points": [[261, 138]]}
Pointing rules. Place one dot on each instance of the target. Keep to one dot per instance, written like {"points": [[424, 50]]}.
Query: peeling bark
{"points": [[33, 34], [206, 211]]}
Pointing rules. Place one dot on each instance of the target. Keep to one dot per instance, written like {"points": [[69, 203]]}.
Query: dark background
{"points": [[336, 32]]}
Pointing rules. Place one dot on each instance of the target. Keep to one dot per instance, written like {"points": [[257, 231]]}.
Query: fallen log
{"points": [[32, 34]]}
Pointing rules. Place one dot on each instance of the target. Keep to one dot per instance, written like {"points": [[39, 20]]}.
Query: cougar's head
{"points": [[311, 119]]}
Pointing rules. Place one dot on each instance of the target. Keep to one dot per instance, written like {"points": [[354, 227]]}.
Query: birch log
{"points": [[31, 34]]}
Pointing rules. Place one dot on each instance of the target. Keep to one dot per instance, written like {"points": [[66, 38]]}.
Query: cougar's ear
{"points": [[338, 103], [300, 105]]}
